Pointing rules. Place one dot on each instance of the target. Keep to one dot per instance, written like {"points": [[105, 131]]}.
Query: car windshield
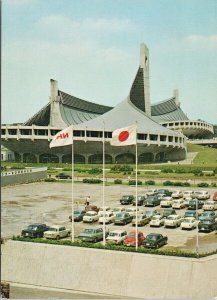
{"points": [[88, 230], [207, 214], [77, 212], [119, 216], [130, 209], [210, 203], [189, 214], [113, 234], [207, 222], [125, 197], [188, 220], [173, 217], [149, 213], [52, 229], [139, 197], [90, 214], [156, 217], [151, 237], [177, 201], [32, 227], [132, 235]]}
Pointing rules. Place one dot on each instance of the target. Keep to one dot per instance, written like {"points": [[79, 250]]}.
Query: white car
{"points": [[177, 194], [202, 195], [157, 221], [90, 217], [57, 232], [210, 205], [132, 210], [151, 192], [107, 208], [116, 237], [109, 218], [189, 223], [178, 204], [173, 221], [166, 202], [187, 200], [188, 194], [117, 210]]}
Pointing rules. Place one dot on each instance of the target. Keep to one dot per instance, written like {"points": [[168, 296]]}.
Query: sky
{"points": [[91, 47]]}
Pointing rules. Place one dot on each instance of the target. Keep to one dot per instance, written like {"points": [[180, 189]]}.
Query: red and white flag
{"points": [[62, 138], [124, 136]]}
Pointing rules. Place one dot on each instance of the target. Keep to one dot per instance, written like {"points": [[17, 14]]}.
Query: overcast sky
{"points": [[92, 48]]}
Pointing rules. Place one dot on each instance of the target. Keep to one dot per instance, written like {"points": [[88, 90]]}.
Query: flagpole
{"points": [[136, 193], [72, 189], [103, 181]]}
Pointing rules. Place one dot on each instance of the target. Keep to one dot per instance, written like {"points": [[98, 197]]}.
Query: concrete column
{"points": [[60, 156], [176, 95], [21, 157], [144, 64], [86, 159], [37, 158]]}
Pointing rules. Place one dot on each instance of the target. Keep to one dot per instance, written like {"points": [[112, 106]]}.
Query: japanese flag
{"points": [[124, 136], [63, 138]]}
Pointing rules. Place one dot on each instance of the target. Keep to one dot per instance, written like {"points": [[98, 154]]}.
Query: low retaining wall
{"points": [[23, 176], [109, 272]]}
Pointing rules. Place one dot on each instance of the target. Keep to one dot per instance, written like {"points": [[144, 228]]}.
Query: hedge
{"points": [[50, 180], [150, 182], [133, 182], [203, 184], [114, 247], [176, 183], [117, 181], [91, 180]]}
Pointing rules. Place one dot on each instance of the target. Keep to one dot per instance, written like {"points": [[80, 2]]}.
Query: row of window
{"points": [[186, 124]]}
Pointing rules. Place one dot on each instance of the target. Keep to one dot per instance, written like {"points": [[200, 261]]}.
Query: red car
{"points": [[215, 196], [91, 208], [130, 240]]}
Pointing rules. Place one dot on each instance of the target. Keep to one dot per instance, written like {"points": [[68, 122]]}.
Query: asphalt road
{"points": [[50, 203]]}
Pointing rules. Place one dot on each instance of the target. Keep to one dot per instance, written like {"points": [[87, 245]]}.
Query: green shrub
{"points": [[167, 183], [203, 184], [50, 180], [167, 170], [95, 171], [213, 184], [197, 172], [117, 181], [133, 182], [186, 184], [150, 182], [120, 168], [67, 169], [91, 180], [181, 170]]}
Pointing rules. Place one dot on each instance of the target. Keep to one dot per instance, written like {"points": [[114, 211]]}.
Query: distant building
{"points": [[6, 154], [162, 127]]}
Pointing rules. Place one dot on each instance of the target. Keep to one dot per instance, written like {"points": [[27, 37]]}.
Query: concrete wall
{"points": [[109, 272], [23, 176]]}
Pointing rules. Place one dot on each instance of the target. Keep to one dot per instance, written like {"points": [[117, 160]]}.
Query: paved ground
{"points": [[50, 203]]}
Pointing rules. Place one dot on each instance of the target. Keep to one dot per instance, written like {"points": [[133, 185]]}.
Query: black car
{"points": [[164, 191], [123, 218], [168, 211], [140, 200], [207, 225], [78, 215], [127, 199], [63, 176], [35, 230], [152, 201], [208, 215], [195, 203], [155, 240], [190, 213]]}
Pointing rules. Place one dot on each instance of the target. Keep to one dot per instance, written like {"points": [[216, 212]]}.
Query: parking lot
{"points": [[50, 203]]}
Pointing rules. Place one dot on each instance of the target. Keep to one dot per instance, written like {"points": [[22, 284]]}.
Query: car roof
{"points": [[117, 231], [56, 226], [37, 224], [91, 212], [134, 231]]}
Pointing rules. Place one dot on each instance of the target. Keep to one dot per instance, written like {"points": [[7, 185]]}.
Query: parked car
{"points": [[214, 196], [116, 237], [191, 213], [151, 192], [140, 200], [117, 210], [155, 240], [195, 204], [202, 195], [177, 194], [210, 205], [161, 196], [168, 211], [173, 221], [63, 176], [157, 221], [107, 208], [90, 217], [188, 194], [207, 215], [109, 217], [150, 213], [123, 218], [141, 220], [164, 191], [92, 235], [57, 232], [132, 210], [130, 240], [152, 201], [167, 202], [35, 230], [178, 204], [91, 208], [187, 200], [127, 199], [78, 215], [207, 225], [189, 223]]}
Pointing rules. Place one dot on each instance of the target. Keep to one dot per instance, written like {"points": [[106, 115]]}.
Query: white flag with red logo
{"points": [[63, 138], [124, 136]]}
